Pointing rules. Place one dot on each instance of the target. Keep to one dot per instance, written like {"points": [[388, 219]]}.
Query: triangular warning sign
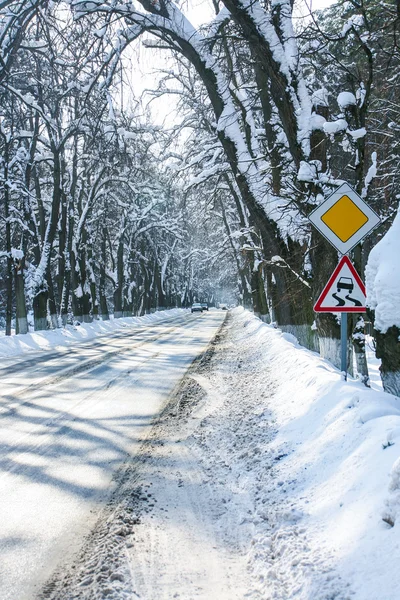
{"points": [[344, 292]]}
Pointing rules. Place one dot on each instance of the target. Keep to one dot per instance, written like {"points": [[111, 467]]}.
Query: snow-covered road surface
{"points": [[265, 476], [69, 420]]}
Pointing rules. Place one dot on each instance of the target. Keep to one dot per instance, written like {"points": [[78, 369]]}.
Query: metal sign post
{"points": [[343, 343]]}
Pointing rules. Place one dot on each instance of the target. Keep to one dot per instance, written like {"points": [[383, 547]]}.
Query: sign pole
{"points": [[343, 340]]}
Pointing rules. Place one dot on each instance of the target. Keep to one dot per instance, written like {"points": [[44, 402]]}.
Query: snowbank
{"points": [[334, 503], [72, 334], [382, 278]]}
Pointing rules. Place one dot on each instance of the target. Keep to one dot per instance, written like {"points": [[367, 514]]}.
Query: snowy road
{"points": [[69, 419]]}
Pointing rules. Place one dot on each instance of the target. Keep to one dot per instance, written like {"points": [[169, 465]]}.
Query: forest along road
{"points": [[69, 420]]}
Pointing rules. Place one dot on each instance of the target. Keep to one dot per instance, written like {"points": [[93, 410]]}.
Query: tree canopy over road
{"points": [[103, 210]]}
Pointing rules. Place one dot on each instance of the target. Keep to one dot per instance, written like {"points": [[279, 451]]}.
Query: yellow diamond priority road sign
{"points": [[344, 218]]}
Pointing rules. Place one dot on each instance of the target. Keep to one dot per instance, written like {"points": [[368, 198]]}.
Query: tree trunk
{"points": [[40, 310], [9, 296], [324, 260], [274, 153], [319, 140], [243, 285], [9, 276], [105, 315], [258, 292], [52, 306], [42, 294], [9, 265], [65, 298], [92, 282], [160, 292], [153, 297], [280, 300], [83, 260], [358, 339], [76, 291], [86, 304], [62, 246], [272, 240], [358, 335], [118, 292], [388, 350], [95, 306], [102, 284], [146, 291], [21, 321]]}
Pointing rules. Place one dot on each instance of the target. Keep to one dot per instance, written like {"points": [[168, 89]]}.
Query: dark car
{"points": [[204, 305], [345, 283], [196, 307]]}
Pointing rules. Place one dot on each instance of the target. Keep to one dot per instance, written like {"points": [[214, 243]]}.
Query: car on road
{"points": [[223, 306], [204, 305], [197, 307], [345, 283]]}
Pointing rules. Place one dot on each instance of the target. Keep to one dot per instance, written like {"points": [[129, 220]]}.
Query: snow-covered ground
{"points": [[265, 477]]}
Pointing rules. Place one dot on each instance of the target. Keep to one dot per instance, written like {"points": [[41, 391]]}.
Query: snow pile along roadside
{"points": [[326, 520], [72, 334]]}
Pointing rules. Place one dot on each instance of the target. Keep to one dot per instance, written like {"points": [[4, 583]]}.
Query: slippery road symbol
{"points": [[340, 301], [346, 283], [344, 292], [354, 300]]}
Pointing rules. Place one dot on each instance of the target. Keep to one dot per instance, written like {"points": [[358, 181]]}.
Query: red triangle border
{"points": [[351, 309]]}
